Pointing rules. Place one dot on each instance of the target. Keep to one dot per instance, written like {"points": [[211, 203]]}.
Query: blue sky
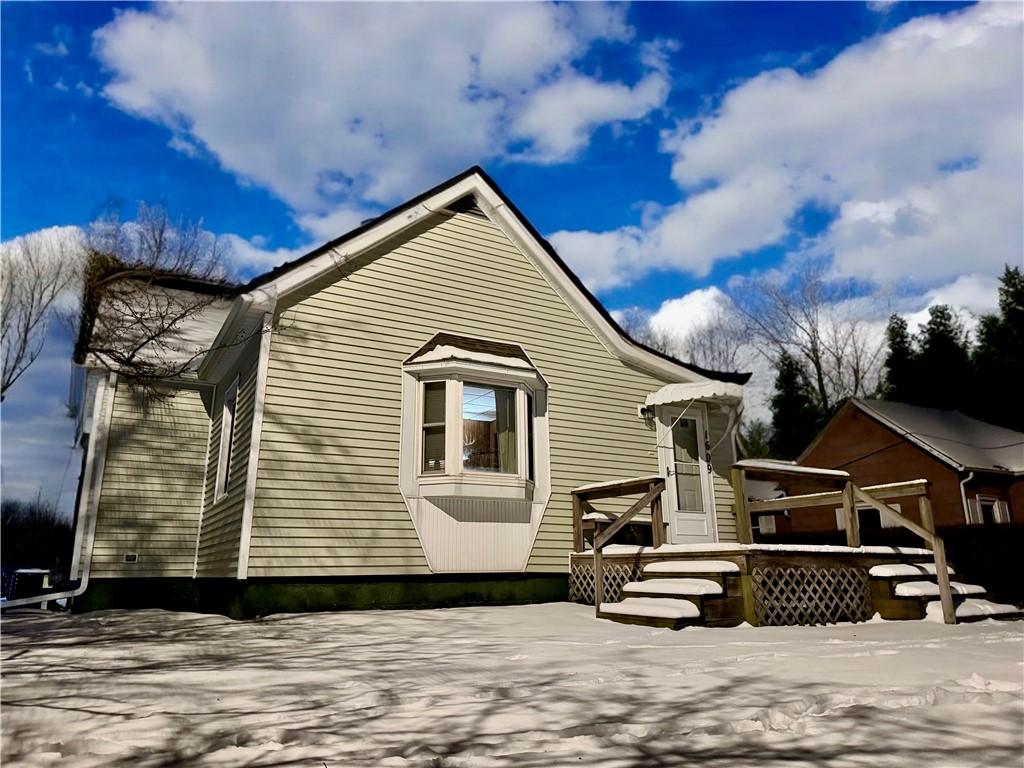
{"points": [[664, 148]]}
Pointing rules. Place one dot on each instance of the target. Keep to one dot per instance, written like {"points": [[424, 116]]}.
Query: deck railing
{"points": [[848, 495], [651, 486]]}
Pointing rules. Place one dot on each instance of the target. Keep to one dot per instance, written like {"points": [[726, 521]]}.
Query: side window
{"points": [[227, 439]]}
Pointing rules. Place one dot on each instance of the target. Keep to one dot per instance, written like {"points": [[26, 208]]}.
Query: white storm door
{"points": [[690, 509]]}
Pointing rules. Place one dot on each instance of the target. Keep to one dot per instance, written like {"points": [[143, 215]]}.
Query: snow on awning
{"points": [[704, 390]]}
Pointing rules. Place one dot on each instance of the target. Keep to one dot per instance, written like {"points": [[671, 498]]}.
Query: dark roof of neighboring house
{"points": [[256, 282], [498, 348], [951, 436]]}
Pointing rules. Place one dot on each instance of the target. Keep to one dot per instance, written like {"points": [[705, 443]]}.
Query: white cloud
{"points": [[60, 85], [84, 89], [600, 259], [58, 49], [357, 102], [29, 74], [913, 137], [682, 317]]}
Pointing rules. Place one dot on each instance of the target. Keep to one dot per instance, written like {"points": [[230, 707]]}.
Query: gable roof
{"points": [[491, 202], [950, 436]]}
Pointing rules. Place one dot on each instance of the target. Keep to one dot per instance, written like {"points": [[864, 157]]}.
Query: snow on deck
{"points": [[512, 687], [713, 547], [970, 608]]}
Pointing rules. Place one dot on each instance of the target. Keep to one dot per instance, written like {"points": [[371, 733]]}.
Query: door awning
{"points": [[704, 390]]}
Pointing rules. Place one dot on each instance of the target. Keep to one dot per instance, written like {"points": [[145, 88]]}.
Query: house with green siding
{"points": [[397, 418]]}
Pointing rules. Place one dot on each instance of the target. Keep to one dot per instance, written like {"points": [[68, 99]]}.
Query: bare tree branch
{"points": [[35, 270]]}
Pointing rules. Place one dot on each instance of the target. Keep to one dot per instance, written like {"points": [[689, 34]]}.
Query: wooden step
{"points": [[669, 612], [672, 588], [674, 568], [931, 589], [973, 609], [904, 570]]}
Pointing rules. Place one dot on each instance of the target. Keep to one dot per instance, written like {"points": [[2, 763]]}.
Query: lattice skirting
{"points": [[802, 596], [616, 576]]}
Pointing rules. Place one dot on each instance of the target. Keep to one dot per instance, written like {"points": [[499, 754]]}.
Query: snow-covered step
{"points": [[675, 567], [931, 589], [652, 608], [974, 609], [893, 570], [673, 587]]}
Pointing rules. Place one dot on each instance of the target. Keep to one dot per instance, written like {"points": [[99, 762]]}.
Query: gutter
{"points": [[963, 496]]}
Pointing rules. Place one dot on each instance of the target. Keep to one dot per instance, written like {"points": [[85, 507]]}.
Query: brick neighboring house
{"points": [[976, 469]]}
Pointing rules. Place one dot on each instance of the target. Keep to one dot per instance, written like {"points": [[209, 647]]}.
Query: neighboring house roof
{"points": [[476, 183], [950, 436]]}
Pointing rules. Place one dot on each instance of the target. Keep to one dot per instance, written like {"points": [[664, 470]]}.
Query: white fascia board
{"points": [[492, 204], [246, 315]]}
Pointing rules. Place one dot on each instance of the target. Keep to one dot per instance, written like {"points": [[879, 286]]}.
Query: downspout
{"points": [[963, 496], [101, 421]]}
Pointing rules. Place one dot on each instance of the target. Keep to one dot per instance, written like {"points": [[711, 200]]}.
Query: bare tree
{"points": [[636, 323], [719, 343], [144, 283], [816, 321], [34, 271]]}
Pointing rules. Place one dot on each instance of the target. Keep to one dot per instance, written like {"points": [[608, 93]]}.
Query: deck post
{"points": [[924, 507], [598, 579], [942, 576], [577, 523], [744, 533], [851, 516], [657, 521]]}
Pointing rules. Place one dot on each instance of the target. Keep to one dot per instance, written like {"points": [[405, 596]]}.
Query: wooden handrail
{"points": [[652, 486], [872, 496]]}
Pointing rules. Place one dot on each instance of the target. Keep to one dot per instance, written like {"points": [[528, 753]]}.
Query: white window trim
{"points": [[227, 430], [1000, 509], [462, 481]]}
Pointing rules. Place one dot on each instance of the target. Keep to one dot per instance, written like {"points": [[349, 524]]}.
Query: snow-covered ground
{"points": [[526, 686]]}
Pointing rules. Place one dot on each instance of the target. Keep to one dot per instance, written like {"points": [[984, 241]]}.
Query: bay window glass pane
{"points": [[433, 426], [489, 428]]}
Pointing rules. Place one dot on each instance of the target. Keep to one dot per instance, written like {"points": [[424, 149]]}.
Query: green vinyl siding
{"points": [[327, 495], [152, 486], [217, 553]]}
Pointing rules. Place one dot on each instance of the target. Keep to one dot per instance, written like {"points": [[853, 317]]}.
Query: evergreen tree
{"points": [[900, 363], [755, 440], [943, 362], [999, 357], [796, 417]]}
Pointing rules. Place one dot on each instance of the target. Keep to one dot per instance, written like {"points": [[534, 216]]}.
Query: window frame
{"points": [[228, 419], [455, 469]]}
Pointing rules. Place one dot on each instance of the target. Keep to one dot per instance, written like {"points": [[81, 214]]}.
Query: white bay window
{"points": [[475, 405]]}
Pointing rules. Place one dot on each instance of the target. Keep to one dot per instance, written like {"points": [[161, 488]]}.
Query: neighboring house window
{"points": [[988, 510], [476, 403], [227, 438], [869, 518]]}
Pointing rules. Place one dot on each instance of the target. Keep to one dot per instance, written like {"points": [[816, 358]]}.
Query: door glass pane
{"points": [[433, 426], [489, 428], [687, 466]]}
